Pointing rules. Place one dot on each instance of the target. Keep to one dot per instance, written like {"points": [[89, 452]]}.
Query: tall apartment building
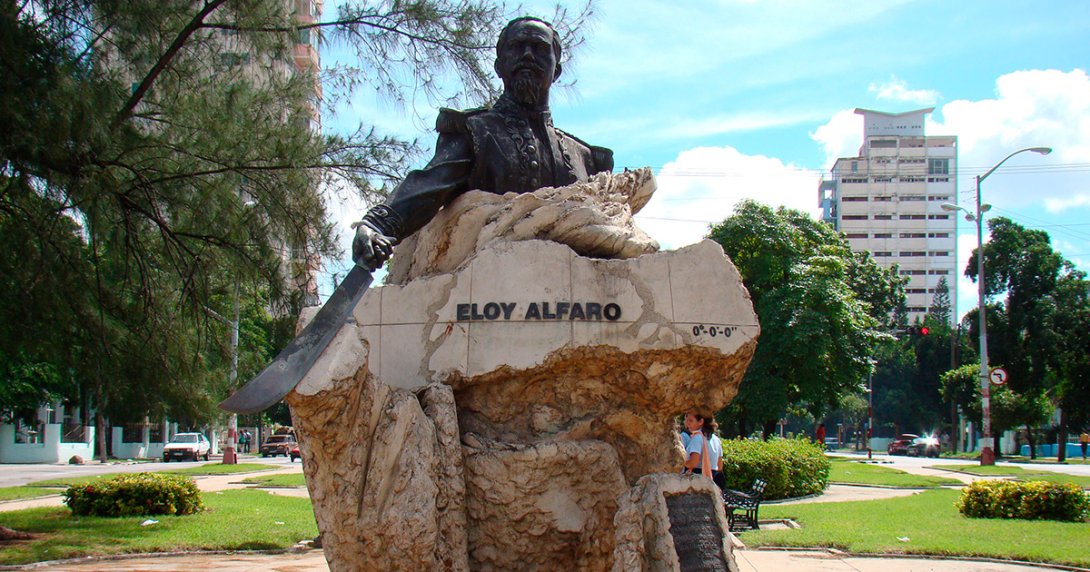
{"points": [[887, 200]]}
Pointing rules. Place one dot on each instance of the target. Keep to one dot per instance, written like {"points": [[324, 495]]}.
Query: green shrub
{"points": [[1031, 500], [792, 467], [135, 495]]}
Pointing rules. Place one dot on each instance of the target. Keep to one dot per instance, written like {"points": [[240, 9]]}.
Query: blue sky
{"points": [[752, 99]]}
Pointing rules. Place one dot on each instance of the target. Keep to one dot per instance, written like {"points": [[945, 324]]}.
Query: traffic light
{"points": [[918, 330]]}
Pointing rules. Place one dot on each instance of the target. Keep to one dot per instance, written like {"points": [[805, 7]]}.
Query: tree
{"points": [[821, 309], [146, 170], [1024, 336], [1009, 408]]}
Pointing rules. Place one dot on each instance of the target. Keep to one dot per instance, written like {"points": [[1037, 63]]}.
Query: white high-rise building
{"points": [[887, 200]]}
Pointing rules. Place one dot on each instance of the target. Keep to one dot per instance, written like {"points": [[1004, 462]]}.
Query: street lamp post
{"points": [[987, 455]]}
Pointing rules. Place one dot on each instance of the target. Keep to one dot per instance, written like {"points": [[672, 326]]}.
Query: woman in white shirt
{"points": [[702, 428]]}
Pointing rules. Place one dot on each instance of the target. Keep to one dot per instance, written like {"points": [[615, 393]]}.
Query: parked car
{"points": [[926, 446], [900, 445], [189, 446], [278, 445], [294, 453]]}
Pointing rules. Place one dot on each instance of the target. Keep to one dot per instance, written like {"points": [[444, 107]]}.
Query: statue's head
{"points": [[528, 59]]}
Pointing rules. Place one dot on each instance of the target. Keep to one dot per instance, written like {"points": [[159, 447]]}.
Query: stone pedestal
{"points": [[491, 409]]}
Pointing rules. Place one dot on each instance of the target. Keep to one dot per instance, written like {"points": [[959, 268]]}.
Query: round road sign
{"points": [[998, 376]]}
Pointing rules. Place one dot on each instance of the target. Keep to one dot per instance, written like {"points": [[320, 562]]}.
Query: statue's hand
{"points": [[371, 248]]}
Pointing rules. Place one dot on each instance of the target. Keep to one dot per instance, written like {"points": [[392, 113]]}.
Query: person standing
{"points": [[1084, 441], [704, 454], [819, 435]]}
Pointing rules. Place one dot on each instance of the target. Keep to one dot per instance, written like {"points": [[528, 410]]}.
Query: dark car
{"points": [[278, 445], [900, 445], [294, 453], [926, 446]]}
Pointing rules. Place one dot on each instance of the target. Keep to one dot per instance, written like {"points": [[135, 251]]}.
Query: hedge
{"points": [[1031, 500], [135, 495], [792, 467]]}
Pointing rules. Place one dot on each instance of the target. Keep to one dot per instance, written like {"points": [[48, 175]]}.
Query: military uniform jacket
{"points": [[505, 149]]}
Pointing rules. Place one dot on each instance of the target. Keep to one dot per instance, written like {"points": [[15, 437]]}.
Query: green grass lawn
{"points": [[233, 520], [1018, 473], [25, 492], [929, 524], [221, 469], [855, 472], [282, 480]]}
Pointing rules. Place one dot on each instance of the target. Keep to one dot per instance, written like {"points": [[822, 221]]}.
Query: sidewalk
{"points": [[748, 561]]}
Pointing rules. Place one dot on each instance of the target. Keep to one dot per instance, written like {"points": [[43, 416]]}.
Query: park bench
{"points": [[745, 503]]}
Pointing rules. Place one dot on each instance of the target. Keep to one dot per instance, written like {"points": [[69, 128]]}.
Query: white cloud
{"points": [[702, 185], [1058, 205], [1031, 108], [896, 89], [967, 296], [841, 136]]}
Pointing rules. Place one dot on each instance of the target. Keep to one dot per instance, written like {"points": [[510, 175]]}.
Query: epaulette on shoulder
{"points": [[454, 120]]}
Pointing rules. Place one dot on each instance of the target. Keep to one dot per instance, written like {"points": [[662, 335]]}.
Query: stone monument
{"points": [[507, 400]]}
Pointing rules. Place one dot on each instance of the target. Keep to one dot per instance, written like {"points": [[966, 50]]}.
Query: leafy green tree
{"points": [[155, 154], [821, 307], [1022, 332], [1009, 408]]}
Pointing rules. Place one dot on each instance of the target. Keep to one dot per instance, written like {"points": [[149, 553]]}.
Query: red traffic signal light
{"points": [[924, 330], [918, 330]]}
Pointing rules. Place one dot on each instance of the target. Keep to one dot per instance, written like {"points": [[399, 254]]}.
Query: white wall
{"points": [[50, 450]]}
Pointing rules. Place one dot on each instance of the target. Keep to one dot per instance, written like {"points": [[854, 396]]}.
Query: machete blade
{"points": [[294, 361]]}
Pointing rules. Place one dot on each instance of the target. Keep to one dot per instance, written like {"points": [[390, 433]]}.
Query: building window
{"points": [[938, 166], [913, 197], [913, 253], [883, 235], [938, 272], [854, 199], [938, 235], [883, 144], [940, 253], [916, 309], [882, 199], [938, 179], [915, 290], [303, 36], [855, 217], [882, 179], [855, 166], [938, 217], [883, 217], [912, 179], [912, 217], [857, 235], [913, 272], [912, 235], [853, 180], [882, 254], [939, 198]]}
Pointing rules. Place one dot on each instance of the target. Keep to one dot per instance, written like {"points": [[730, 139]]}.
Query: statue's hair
{"points": [[507, 29]]}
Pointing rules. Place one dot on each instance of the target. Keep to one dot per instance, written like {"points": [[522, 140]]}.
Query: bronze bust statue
{"points": [[510, 147]]}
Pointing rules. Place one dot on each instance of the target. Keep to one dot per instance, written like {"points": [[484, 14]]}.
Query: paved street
{"points": [[15, 475]]}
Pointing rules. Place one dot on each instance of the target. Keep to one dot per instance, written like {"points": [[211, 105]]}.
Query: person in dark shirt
{"points": [[510, 147]]}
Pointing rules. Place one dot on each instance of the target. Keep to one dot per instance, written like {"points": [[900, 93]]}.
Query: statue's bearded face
{"points": [[526, 62]]}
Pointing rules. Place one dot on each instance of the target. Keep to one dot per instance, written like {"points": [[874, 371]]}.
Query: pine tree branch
{"points": [[164, 61]]}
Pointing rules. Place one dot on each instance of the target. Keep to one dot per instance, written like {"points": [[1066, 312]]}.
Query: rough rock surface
{"points": [[594, 218], [384, 476], [546, 506], [489, 412], [644, 542]]}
